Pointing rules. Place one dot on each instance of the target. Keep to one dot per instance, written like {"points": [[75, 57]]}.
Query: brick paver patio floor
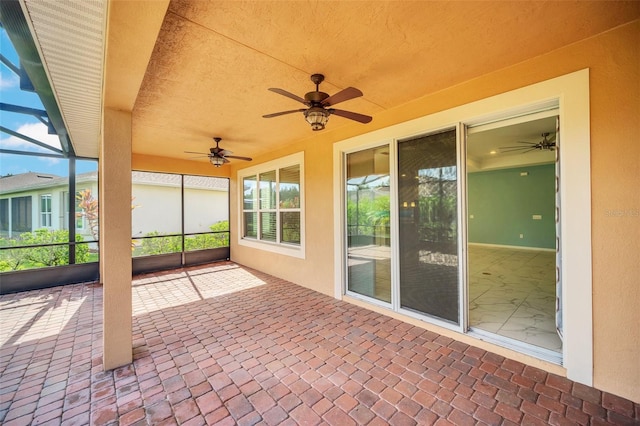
{"points": [[223, 344]]}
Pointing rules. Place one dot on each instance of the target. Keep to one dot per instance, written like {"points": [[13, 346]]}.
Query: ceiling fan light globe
{"points": [[216, 161], [317, 117]]}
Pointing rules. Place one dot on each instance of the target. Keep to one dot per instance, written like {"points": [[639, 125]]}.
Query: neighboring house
{"points": [[31, 201], [157, 206]]}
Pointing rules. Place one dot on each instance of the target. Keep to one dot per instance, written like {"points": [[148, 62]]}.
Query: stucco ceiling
{"points": [[214, 61], [208, 71]]}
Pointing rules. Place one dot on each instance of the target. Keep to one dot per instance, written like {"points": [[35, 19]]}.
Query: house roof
{"points": [[30, 180], [194, 182], [34, 181]]}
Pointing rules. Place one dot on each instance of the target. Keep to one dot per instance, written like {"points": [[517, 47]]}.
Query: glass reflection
{"points": [[368, 220]]}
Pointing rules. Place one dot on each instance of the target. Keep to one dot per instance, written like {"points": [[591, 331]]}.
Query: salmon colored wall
{"points": [[613, 59], [316, 271], [115, 236], [150, 163], [615, 212]]}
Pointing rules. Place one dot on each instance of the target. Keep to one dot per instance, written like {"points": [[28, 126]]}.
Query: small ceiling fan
{"points": [[544, 145], [319, 103], [218, 156]]}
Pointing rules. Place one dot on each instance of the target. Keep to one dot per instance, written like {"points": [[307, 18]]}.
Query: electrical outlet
{"points": [[537, 217], [521, 235]]}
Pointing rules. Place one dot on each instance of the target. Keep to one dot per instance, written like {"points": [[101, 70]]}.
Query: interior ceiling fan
{"points": [[545, 144], [319, 103], [218, 156]]}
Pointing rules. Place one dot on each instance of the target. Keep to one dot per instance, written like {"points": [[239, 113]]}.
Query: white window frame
{"points": [[288, 249], [46, 217], [571, 93]]}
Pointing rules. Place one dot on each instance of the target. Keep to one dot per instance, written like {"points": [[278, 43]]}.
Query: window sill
{"points": [[284, 249]]}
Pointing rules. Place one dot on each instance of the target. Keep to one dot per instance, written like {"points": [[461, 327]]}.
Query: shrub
{"points": [[160, 244], [173, 244], [41, 254]]}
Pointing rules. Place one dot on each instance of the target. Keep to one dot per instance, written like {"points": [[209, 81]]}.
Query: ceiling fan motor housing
{"points": [[218, 156], [315, 98]]}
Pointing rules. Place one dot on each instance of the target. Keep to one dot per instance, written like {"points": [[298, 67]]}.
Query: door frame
{"points": [[571, 93]]}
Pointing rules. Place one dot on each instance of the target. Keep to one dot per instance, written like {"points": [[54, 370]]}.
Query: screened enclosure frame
{"points": [[183, 257]]}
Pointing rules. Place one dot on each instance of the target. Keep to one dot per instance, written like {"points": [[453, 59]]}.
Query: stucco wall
{"points": [[614, 62]]}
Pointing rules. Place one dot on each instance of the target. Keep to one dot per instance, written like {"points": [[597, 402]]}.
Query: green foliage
{"points": [[438, 218], [220, 239], [290, 198], [11, 259], [173, 244], [159, 244], [41, 254], [368, 216], [290, 227]]}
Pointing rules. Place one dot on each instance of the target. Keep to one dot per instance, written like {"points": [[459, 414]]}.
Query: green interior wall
{"points": [[501, 205]]}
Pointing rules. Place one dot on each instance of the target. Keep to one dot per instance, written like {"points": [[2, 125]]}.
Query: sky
{"points": [[10, 93]]}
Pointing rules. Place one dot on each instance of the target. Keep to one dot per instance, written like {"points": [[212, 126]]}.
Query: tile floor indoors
{"points": [[512, 293], [224, 344]]}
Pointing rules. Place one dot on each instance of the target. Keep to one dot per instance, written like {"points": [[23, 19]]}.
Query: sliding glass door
{"points": [[367, 223], [428, 225], [425, 278], [457, 226]]}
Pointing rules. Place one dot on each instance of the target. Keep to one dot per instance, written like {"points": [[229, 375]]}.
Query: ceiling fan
{"points": [[218, 156], [319, 103], [544, 145]]}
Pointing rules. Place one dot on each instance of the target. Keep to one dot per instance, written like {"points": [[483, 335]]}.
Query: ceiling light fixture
{"points": [[216, 161], [317, 117]]}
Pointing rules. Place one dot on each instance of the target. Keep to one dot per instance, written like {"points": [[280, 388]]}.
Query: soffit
{"points": [[70, 39]]}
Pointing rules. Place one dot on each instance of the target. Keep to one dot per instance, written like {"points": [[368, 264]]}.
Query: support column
{"points": [[115, 238]]}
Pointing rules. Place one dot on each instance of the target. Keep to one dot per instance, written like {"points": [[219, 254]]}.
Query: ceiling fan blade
{"points": [[351, 115], [341, 96], [507, 149], [191, 152], [529, 150], [288, 95], [225, 152], [275, 114], [238, 158]]}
